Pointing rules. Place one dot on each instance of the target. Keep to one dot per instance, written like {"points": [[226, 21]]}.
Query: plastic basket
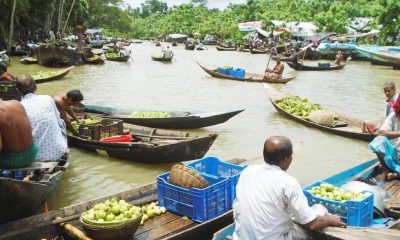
{"points": [[117, 138], [357, 213], [214, 166], [198, 204], [106, 128]]}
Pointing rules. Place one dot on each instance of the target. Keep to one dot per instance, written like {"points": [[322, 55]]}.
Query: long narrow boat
{"points": [[20, 198], [222, 48], [177, 120], [167, 226], [160, 57], [249, 77], [361, 172], [60, 74], [379, 53], [384, 63], [150, 145], [347, 127], [301, 67], [258, 51]]}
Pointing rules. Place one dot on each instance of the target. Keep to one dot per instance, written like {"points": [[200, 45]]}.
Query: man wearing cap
{"points": [[387, 144]]}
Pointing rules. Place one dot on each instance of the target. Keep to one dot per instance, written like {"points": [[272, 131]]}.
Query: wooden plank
{"points": [[362, 233], [164, 230], [157, 221]]}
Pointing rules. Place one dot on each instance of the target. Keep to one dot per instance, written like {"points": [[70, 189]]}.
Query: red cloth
{"points": [[396, 105], [6, 77]]}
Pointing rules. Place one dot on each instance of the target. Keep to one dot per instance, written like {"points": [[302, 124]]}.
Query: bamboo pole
{"points": [[69, 13]]}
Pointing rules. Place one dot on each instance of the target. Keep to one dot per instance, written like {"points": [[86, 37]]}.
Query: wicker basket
{"points": [[120, 231], [185, 177]]}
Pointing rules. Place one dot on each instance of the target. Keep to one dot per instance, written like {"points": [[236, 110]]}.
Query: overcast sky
{"points": [[221, 4]]}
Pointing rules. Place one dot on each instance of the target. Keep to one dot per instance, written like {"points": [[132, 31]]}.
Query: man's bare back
{"points": [[15, 129]]}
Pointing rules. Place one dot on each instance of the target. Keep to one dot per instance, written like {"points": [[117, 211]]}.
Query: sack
{"points": [[322, 117], [183, 176]]}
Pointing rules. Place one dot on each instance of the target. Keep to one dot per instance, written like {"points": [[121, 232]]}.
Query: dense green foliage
{"points": [[154, 17]]}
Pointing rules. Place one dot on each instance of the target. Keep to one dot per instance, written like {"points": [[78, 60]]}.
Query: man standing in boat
{"points": [[276, 72], [267, 197], [17, 149], [64, 102], [48, 130], [387, 144]]}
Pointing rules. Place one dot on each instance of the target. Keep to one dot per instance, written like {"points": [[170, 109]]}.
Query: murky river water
{"points": [[182, 85]]}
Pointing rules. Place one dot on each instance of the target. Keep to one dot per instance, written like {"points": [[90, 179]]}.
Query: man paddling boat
{"points": [[266, 198], [276, 72]]}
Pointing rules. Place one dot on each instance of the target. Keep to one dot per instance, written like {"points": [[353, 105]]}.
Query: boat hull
{"points": [[300, 67], [62, 74], [148, 152]]}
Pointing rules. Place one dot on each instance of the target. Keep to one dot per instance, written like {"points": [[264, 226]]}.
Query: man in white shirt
{"points": [[168, 53], [387, 144], [48, 130], [267, 197]]}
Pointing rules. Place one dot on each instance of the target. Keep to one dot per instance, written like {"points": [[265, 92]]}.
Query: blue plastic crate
{"points": [[353, 212], [216, 167], [198, 204], [240, 73]]}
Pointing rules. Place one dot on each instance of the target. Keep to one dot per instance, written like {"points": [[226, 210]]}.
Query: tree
{"points": [[390, 20], [10, 37], [199, 3]]}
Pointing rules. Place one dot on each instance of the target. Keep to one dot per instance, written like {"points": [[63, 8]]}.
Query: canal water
{"points": [[182, 85]]}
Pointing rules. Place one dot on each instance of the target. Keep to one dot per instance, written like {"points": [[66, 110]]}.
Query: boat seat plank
{"points": [[164, 230], [362, 233], [38, 165], [157, 221]]}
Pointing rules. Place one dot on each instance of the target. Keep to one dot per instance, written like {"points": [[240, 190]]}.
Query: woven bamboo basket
{"points": [[183, 176], [119, 231]]}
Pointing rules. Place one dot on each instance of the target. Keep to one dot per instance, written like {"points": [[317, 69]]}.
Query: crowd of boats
{"points": [[21, 199]]}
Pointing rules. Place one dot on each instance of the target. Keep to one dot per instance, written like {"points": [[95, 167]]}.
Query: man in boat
{"points": [[273, 51], [387, 144], [64, 102], [276, 72], [48, 129], [168, 53], [390, 91], [4, 75], [266, 198], [339, 58], [17, 149]]}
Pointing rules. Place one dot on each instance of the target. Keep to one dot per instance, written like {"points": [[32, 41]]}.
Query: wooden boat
{"points": [[19, 198], [201, 47], [174, 44], [243, 50], [301, 67], [384, 63], [60, 74], [361, 172], [117, 58], [190, 46], [347, 126], [223, 48], [249, 77], [282, 58], [169, 226], [96, 59], [383, 54], [258, 51], [178, 120], [150, 145], [28, 60], [160, 57]]}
